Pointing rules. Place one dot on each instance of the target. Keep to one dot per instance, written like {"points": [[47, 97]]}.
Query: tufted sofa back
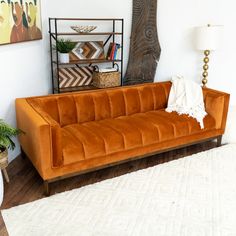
{"points": [[96, 105]]}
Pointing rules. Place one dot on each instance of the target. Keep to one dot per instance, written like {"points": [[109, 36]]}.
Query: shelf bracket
{"points": [[52, 35], [104, 44]]}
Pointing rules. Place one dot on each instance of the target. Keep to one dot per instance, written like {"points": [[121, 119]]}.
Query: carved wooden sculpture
{"points": [[144, 44]]}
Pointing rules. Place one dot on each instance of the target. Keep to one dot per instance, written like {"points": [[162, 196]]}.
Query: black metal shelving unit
{"points": [[110, 36]]}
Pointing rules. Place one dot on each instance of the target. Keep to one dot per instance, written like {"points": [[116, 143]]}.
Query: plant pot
{"points": [[64, 57], [3, 164]]}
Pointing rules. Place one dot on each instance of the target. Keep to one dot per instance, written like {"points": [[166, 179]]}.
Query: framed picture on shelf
{"points": [[20, 20], [87, 50]]}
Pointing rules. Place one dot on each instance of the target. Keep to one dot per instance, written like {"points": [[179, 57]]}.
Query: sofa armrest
{"points": [[216, 104], [42, 139]]}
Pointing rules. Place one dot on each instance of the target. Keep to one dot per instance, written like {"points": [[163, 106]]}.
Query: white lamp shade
{"points": [[208, 37]]}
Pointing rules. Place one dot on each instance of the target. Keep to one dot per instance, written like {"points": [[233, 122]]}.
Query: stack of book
{"points": [[112, 53]]}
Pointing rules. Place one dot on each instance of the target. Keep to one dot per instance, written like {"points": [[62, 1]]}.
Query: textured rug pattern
{"points": [[193, 196]]}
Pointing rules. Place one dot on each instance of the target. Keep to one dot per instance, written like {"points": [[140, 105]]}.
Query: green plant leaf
{"points": [[6, 134], [64, 46]]}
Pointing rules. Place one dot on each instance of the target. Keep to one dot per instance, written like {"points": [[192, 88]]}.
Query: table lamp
{"points": [[207, 40]]}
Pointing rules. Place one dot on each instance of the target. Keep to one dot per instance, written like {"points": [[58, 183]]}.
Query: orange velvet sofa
{"points": [[73, 133]]}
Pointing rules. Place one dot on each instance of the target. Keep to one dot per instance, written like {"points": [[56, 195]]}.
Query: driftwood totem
{"points": [[144, 44]]}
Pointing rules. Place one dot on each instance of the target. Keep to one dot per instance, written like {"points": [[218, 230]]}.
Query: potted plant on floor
{"points": [[6, 134], [64, 47]]}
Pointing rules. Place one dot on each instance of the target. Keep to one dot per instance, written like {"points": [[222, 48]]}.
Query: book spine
{"points": [[109, 51], [113, 51], [116, 51]]}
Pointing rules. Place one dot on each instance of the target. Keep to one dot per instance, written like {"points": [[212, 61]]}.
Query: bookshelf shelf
{"points": [[85, 34], [77, 88], [80, 62], [57, 29]]}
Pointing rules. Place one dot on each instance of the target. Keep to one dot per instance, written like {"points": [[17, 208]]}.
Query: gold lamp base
{"points": [[205, 68]]}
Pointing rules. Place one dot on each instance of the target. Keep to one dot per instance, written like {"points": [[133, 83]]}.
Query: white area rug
{"points": [[193, 196]]}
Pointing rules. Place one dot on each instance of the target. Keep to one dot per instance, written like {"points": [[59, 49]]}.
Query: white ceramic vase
{"points": [[64, 58], [1, 188]]}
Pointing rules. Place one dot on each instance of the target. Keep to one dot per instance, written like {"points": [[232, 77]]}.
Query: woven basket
{"points": [[3, 159], [106, 79]]}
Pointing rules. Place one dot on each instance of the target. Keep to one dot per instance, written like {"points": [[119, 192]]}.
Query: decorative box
{"points": [[75, 76]]}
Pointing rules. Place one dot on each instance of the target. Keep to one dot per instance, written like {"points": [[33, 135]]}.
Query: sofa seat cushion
{"points": [[100, 138]]}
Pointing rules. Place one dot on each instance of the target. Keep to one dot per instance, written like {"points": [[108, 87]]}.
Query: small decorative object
{"points": [[106, 79], [81, 76], [20, 21], [87, 50], [84, 29], [64, 47], [6, 134], [207, 39]]}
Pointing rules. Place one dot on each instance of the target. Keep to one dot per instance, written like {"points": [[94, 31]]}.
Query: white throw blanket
{"points": [[186, 97]]}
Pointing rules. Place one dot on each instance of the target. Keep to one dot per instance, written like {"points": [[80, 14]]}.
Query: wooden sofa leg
{"points": [[46, 188], [219, 140], [23, 155]]}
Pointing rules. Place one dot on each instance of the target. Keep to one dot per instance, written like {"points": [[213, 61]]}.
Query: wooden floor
{"points": [[26, 185]]}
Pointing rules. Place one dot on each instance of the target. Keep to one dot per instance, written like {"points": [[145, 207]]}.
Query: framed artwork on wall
{"points": [[20, 20]]}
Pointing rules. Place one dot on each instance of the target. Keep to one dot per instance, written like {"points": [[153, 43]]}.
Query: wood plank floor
{"points": [[26, 185]]}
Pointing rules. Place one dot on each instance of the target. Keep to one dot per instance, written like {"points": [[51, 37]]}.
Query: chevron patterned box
{"points": [[75, 76]]}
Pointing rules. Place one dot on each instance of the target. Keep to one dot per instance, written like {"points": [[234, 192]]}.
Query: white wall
{"points": [[25, 68]]}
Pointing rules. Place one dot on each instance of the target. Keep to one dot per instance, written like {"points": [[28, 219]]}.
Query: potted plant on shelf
{"points": [[64, 47], [6, 134]]}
